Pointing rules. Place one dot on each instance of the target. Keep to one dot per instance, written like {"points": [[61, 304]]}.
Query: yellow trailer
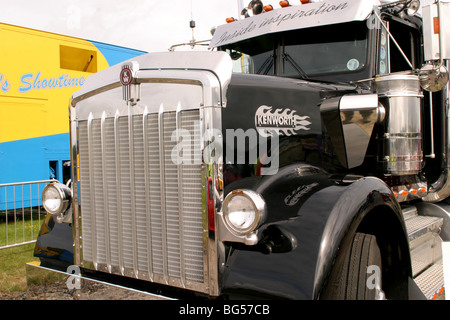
{"points": [[39, 71]]}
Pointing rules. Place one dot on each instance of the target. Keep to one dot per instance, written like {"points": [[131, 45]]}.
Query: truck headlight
{"points": [[56, 198], [243, 211]]}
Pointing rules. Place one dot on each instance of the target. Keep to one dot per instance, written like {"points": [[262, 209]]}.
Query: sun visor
{"points": [[293, 17]]}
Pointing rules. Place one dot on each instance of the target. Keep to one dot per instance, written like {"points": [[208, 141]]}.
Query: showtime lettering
{"points": [[30, 81]]}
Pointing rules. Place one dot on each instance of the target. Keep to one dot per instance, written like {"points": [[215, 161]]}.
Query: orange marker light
{"points": [[228, 20], [422, 190], [304, 1], [436, 25], [413, 191], [404, 193], [284, 3], [268, 8]]}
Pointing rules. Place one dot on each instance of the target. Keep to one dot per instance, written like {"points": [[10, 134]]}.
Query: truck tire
{"points": [[359, 276]]}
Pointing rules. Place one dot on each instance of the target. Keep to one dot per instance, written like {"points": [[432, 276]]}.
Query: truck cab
{"points": [[304, 156]]}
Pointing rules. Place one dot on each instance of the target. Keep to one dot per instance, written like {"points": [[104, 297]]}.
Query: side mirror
{"points": [[433, 78], [412, 7]]}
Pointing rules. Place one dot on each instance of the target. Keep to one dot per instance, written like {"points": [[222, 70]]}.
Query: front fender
{"points": [[54, 243], [366, 205], [313, 212]]}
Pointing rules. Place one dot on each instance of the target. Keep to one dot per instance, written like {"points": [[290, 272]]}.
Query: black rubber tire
{"points": [[349, 280]]}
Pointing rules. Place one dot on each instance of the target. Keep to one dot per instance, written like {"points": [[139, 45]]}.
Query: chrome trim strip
{"points": [[76, 220], [432, 155], [440, 189], [163, 189], [92, 187], [180, 200], [210, 119], [132, 186], [204, 178], [147, 194], [119, 191], [105, 193]]}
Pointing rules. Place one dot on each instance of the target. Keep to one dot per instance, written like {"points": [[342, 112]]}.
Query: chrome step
{"points": [[420, 225], [409, 212], [426, 251], [431, 281]]}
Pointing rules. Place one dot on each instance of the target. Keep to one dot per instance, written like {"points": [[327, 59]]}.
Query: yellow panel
{"points": [[22, 118], [39, 72]]}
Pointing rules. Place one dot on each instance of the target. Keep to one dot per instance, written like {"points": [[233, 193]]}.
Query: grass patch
{"points": [[12, 267], [19, 228]]}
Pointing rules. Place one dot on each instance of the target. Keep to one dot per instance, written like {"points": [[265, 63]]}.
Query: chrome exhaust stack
{"points": [[401, 144]]}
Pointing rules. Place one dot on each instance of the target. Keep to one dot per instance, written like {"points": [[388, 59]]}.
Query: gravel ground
{"points": [[13, 296], [91, 291]]}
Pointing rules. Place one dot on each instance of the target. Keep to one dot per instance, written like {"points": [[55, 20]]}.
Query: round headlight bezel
{"points": [[257, 203], [64, 196]]}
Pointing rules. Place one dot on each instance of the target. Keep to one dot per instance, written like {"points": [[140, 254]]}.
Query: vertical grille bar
{"points": [[126, 237], [192, 200], [171, 197], [92, 188], [141, 234], [163, 188], [132, 188], [148, 212], [86, 226], [156, 233], [105, 191], [180, 199], [119, 191]]}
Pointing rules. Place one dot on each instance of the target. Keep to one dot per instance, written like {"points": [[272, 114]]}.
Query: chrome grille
{"points": [[141, 213]]}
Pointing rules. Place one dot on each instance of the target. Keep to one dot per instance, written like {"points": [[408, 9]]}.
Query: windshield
{"points": [[304, 53]]}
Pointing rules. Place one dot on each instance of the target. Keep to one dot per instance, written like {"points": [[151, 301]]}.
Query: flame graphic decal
{"points": [[282, 121]]}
